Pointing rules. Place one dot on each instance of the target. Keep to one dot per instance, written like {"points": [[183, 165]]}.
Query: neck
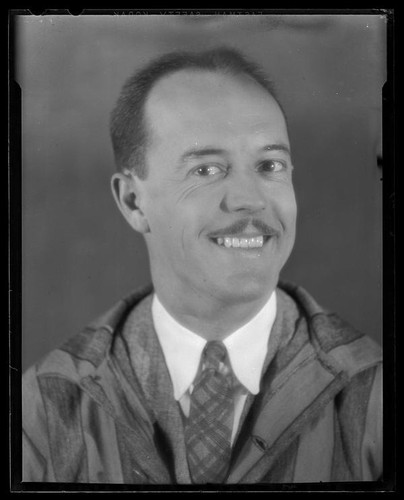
{"points": [[211, 319]]}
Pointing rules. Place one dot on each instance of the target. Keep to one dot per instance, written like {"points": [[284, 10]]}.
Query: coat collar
{"points": [[299, 380]]}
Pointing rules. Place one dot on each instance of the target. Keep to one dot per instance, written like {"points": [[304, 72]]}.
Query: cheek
{"points": [[158, 206], [283, 203], [171, 222]]}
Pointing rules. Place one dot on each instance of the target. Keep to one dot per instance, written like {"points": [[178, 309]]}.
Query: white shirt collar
{"points": [[182, 348]]}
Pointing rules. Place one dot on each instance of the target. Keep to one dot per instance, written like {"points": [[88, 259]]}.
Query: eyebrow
{"points": [[200, 152], [207, 151], [277, 147]]}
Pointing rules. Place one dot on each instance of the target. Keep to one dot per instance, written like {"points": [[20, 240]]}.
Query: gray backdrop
{"points": [[80, 256]]}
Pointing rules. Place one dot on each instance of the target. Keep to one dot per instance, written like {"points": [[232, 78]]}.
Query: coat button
{"points": [[260, 443]]}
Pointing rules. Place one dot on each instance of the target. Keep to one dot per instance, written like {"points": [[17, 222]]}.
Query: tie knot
{"points": [[214, 354]]}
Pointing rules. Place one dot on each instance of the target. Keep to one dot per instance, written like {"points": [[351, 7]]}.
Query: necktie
{"points": [[209, 425]]}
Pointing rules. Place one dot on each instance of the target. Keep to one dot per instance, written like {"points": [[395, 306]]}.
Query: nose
{"points": [[243, 193]]}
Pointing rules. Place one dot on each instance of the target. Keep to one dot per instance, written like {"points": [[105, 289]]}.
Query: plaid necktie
{"points": [[209, 425]]}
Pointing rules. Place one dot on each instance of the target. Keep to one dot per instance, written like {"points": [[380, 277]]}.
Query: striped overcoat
{"points": [[100, 409]]}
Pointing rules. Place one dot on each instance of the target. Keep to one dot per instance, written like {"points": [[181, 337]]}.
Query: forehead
{"points": [[207, 104]]}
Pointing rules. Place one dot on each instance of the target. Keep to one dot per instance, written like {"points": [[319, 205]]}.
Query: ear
{"points": [[126, 193]]}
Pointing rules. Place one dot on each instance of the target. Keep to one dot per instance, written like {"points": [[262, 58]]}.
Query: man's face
{"points": [[218, 197]]}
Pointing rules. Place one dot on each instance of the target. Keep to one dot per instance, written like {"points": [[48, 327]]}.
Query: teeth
{"points": [[256, 242]]}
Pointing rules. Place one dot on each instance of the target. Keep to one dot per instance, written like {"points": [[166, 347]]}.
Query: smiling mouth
{"points": [[240, 242]]}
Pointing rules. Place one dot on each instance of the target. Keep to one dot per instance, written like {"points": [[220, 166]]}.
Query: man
{"points": [[218, 373]]}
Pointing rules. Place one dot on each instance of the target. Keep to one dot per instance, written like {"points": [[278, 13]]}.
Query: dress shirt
{"points": [[246, 347]]}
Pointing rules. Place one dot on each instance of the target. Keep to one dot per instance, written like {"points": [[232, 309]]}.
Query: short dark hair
{"points": [[127, 126]]}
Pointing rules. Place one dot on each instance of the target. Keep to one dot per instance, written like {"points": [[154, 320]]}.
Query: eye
{"points": [[271, 166], [207, 170]]}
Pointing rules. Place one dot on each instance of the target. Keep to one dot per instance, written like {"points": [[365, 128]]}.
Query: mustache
{"points": [[240, 225]]}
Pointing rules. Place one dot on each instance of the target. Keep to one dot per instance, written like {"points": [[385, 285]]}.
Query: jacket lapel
{"points": [[155, 382], [295, 388]]}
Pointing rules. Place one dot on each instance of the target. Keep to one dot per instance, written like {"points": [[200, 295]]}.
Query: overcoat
{"points": [[100, 409]]}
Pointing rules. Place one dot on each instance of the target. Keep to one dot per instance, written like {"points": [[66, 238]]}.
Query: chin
{"points": [[247, 291]]}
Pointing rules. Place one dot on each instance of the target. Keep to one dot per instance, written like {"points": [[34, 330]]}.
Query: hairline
{"points": [[145, 119]]}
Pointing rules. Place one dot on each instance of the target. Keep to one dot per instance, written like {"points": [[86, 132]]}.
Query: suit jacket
{"points": [[101, 408]]}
